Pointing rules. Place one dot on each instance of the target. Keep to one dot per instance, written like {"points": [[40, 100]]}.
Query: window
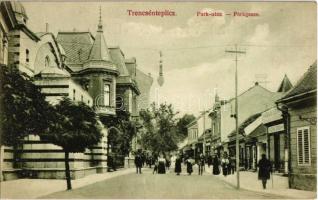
{"points": [[119, 103], [27, 55], [303, 146], [82, 98], [47, 61], [74, 93], [106, 95]]}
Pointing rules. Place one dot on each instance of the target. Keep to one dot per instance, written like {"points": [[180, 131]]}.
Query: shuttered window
{"points": [[303, 146]]}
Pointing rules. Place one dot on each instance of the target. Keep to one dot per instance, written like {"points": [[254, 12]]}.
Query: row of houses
{"points": [[73, 64], [280, 124]]}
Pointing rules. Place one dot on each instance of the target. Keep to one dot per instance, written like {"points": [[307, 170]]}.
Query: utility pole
{"points": [[203, 112], [236, 117], [204, 132]]}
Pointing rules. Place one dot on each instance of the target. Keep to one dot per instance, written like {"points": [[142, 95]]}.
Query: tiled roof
{"points": [[119, 59], [77, 45], [99, 49], [307, 83], [274, 95]]}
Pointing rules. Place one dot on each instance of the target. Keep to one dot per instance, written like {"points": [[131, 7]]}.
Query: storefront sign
{"points": [[276, 128]]}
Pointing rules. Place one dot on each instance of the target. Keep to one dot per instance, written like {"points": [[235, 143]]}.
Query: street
{"points": [[161, 186]]}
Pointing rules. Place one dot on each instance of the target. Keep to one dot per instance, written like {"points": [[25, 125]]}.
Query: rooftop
{"points": [[306, 84]]}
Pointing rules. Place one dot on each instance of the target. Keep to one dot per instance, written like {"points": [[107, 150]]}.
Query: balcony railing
{"points": [[105, 110]]}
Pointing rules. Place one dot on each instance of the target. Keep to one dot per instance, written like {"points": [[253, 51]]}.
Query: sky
{"points": [[281, 40]]}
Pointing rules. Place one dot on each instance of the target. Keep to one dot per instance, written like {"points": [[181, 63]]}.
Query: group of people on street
{"points": [[227, 164]]}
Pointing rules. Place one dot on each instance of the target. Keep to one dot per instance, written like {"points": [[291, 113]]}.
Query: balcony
{"points": [[105, 110]]}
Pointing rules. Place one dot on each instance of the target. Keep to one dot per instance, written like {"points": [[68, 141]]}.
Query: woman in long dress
{"points": [[189, 166], [178, 163], [225, 164], [161, 165], [216, 165]]}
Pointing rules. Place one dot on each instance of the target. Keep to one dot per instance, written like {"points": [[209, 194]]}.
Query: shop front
{"points": [[277, 151], [276, 143]]}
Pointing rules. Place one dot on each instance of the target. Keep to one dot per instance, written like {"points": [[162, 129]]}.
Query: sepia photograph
{"points": [[158, 99]]}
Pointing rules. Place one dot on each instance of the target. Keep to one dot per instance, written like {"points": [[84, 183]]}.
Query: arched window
{"points": [[106, 94], [47, 61]]}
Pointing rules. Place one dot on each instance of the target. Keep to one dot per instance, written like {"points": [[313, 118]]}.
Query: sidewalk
{"points": [[278, 185], [35, 188]]}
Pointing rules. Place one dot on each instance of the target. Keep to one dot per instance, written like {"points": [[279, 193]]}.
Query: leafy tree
{"points": [[120, 141], [182, 125], [160, 128], [24, 108], [74, 127]]}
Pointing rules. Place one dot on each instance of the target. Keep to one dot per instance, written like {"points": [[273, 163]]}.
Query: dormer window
{"points": [[47, 61]]}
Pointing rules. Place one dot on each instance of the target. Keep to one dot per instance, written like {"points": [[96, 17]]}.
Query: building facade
{"points": [[76, 65], [223, 113], [300, 109]]}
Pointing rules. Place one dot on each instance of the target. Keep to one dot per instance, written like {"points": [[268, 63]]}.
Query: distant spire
{"points": [[99, 50], [160, 78], [100, 25], [285, 85], [160, 64]]}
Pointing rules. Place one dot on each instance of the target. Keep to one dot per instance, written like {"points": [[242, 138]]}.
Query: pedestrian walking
{"points": [[138, 163], [210, 159], [225, 164], [178, 163], [216, 165], [155, 169], [189, 165], [149, 161], [232, 165], [173, 161], [201, 163], [168, 162], [143, 159], [161, 165], [264, 170]]}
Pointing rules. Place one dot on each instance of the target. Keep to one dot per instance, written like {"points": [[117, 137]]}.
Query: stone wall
{"points": [[40, 159]]}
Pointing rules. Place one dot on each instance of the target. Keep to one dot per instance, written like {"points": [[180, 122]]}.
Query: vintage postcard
{"points": [[158, 100]]}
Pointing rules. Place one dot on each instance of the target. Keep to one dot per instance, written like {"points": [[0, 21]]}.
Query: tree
{"points": [[74, 127], [160, 128], [24, 110], [182, 123], [120, 141]]}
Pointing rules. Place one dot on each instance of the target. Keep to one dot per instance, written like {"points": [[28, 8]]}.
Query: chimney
{"points": [[46, 27]]}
